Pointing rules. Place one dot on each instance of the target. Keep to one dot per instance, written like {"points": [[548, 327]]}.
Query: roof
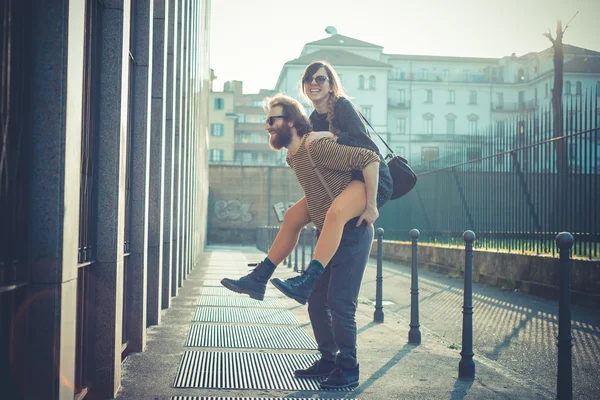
{"points": [[341, 40], [583, 65], [337, 58], [416, 57], [574, 50]]}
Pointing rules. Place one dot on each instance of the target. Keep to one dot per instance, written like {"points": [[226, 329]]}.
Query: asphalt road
{"points": [[514, 329]]}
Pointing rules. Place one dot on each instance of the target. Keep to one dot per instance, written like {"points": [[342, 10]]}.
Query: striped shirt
{"points": [[335, 162]]}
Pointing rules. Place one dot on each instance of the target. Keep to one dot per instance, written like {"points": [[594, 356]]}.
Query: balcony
{"points": [[515, 106], [396, 104]]}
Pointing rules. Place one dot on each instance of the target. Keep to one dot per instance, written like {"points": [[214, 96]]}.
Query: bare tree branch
{"points": [[566, 26], [549, 36]]}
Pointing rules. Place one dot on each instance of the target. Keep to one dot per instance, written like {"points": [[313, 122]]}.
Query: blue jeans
{"points": [[332, 303]]}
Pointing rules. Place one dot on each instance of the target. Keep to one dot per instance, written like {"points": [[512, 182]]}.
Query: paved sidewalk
{"points": [[218, 345]]}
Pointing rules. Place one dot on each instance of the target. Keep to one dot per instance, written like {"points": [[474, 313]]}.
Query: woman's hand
{"points": [[316, 135], [369, 215]]}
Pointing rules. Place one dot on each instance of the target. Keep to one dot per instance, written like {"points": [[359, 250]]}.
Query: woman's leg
{"points": [[349, 204], [294, 219]]}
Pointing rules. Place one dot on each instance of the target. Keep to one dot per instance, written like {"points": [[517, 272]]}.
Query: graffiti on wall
{"points": [[233, 210], [280, 209]]}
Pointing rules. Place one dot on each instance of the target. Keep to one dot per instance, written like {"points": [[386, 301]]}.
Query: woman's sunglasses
{"points": [[270, 120], [320, 79]]}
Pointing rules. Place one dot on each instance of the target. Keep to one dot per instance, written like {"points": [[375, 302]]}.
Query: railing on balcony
{"points": [[515, 106], [398, 104]]}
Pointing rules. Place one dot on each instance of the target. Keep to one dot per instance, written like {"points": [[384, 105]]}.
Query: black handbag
{"points": [[403, 177]]}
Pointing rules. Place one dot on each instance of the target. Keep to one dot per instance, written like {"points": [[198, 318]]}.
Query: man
{"points": [[333, 299]]}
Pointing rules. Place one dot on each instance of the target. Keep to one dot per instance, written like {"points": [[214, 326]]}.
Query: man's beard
{"points": [[281, 138]]}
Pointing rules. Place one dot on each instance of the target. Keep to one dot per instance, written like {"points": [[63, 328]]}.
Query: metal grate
{"points": [[259, 337], [222, 291], [239, 301], [243, 398], [212, 282], [253, 316], [242, 370]]}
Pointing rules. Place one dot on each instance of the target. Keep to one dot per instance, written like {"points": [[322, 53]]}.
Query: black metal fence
{"points": [[515, 184]]}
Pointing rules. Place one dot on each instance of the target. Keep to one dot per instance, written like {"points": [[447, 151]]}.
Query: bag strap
{"points": [[325, 185], [373, 129]]}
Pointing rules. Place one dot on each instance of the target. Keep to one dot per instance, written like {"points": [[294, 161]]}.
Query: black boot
{"points": [[319, 368], [299, 287], [254, 284]]}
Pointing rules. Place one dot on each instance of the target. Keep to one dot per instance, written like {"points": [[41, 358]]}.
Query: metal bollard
{"points": [[303, 236], [296, 258], [564, 382], [378, 315], [466, 365], [290, 260], [313, 232], [414, 334]]}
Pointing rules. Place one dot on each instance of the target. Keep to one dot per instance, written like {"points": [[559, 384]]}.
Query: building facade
{"points": [[104, 184], [424, 105], [246, 135]]}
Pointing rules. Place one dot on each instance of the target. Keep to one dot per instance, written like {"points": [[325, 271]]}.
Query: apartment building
{"points": [[425, 105]]}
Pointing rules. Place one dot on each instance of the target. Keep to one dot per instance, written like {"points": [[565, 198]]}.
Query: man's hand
{"points": [[369, 215], [316, 135]]}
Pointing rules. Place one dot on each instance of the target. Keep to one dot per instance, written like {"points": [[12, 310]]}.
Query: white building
{"points": [[422, 104]]}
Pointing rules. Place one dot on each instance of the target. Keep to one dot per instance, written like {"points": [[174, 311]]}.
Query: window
{"points": [[500, 128], [219, 103], [535, 96], [451, 96], [366, 111], [424, 74], [216, 154], [217, 129], [450, 124], [401, 126], [468, 75], [446, 74], [472, 97], [428, 96], [500, 97], [568, 88], [428, 123], [521, 99], [257, 103], [472, 127], [429, 154], [521, 75], [361, 82], [402, 94], [255, 118], [472, 124], [546, 90], [241, 118], [372, 82], [578, 88]]}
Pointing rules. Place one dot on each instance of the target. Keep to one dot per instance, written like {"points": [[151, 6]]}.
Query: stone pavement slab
{"points": [[390, 368]]}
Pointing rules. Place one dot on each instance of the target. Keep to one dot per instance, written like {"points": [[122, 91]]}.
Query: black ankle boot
{"points": [[254, 284], [299, 287]]}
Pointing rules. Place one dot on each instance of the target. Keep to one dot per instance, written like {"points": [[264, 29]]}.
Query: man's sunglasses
{"points": [[320, 79], [270, 120]]}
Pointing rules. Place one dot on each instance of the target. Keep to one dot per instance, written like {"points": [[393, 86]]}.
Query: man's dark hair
{"points": [[293, 111]]}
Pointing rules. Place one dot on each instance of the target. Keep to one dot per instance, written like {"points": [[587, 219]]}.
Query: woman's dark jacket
{"points": [[353, 132]]}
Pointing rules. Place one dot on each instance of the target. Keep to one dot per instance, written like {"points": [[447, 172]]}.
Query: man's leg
{"points": [[320, 319], [347, 270]]}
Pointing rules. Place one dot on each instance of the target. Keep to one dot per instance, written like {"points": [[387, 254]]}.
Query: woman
{"points": [[334, 117]]}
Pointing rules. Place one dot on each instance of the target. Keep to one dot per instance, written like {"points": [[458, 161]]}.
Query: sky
{"points": [[251, 40]]}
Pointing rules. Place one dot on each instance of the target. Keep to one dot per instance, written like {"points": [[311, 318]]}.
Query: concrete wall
{"points": [[538, 275], [242, 199]]}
